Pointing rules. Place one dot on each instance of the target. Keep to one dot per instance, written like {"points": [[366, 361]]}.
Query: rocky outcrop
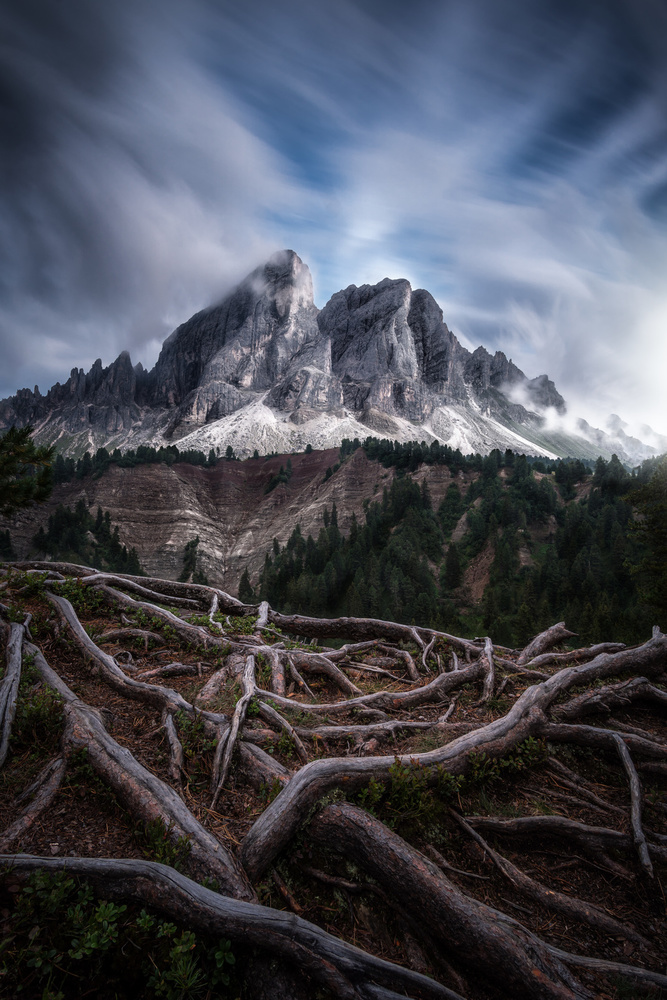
{"points": [[266, 368], [160, 508]]}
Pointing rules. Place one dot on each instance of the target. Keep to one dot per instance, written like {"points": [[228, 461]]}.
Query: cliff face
{"points": [[377, 357], [158, 509]]}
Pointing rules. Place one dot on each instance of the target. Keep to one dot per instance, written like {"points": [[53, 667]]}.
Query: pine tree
{"points": [[25, 471], [453, 573], [246, 593]]}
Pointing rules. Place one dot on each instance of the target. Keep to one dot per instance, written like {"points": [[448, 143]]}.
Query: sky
{"points": [[508, 155]]}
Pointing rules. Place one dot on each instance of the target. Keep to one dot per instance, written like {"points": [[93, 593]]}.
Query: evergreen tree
{"points": [[189, 560], [650, 500], [25, 471], [246, 593], [453, 573]]}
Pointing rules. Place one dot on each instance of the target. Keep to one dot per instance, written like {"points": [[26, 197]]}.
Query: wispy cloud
{"points": [[510, 156]]}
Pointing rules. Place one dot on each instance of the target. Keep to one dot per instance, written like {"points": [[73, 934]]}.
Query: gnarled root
{"points": [[481, 941], [328, 960], [146, 796]]}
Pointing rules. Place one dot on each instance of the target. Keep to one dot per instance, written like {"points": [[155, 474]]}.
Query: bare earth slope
{"points": [[158, 509]]}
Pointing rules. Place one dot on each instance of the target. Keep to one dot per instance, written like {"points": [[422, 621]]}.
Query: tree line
{"points": [[588, 559], [78, 535]]}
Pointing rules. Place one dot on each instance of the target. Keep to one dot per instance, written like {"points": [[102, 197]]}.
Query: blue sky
{"points": [[508, 155]]}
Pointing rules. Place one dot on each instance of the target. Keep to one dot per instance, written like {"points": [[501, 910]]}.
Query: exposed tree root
{"points": [[545, 640], [569, 905], [159, 697], [9, 687], [605, 699], [43, 791], [486, 659], [226, 744], [635, 806], [594, 840], [328, 960], [145, 795], [437, 925], [119, 634], [481, 940]]}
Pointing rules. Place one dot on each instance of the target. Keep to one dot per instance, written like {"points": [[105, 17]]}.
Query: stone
{"points": [[265, 368]]}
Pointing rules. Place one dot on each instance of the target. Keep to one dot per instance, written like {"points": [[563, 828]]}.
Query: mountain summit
{"points": [[266, 369]]}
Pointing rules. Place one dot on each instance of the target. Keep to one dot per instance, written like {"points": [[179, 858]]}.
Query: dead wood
{"points": [[262, 616], [318, 663], [423, 919], [151, 694], [515, 671], [226, 743], [131, 584], [64, 568], [9, 687], [248, 923], [361, 629], [614, 968], [381, 729], [604, 700], [389, 700], [258, 768], [635, 805], [270, 715], [299, 680], [475, 938], [213, 686], [575, 782], [171, 670], [572, 907], [594, 840], [603, 739], [144, 794], [277, 667], [274, 828], [545, 640], [365, 668], [189, 633], [576, 655], [176, 769], [43, 791], [486, 659], [119, 634], [200, 593]]}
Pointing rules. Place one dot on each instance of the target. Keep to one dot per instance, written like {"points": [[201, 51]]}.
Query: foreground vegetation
{"points": [[206, 798]]}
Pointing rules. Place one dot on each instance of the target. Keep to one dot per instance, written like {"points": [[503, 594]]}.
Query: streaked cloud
{"points": [[510, 156]]}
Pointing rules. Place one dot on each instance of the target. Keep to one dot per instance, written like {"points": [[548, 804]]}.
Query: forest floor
{"points": [[436, 802]]}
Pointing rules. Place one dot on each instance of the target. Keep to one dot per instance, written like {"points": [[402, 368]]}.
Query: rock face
{"points": [[160, 508], [266, 369]]}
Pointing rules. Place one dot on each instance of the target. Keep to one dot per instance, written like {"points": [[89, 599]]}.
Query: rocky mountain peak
{"points": [[265, 368], [286, 280]]}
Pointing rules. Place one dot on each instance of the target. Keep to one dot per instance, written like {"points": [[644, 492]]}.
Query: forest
{"points": [[72, 534], [402, 564]]}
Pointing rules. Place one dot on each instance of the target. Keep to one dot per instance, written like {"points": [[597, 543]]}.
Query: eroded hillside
{"points": [[160, 508]]}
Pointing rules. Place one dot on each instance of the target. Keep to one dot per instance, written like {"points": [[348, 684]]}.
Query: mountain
{"points": [[265, 369]]}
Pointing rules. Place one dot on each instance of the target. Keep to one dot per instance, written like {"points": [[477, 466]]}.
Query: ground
{"points": [[390, 810]]}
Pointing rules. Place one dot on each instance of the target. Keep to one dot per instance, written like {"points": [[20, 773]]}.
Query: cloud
{"points": [[133, 193], [508, 155], [528, 219]]}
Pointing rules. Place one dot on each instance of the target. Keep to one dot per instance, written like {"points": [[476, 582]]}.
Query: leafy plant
{"points": [[159, 844], [67, 942]]}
